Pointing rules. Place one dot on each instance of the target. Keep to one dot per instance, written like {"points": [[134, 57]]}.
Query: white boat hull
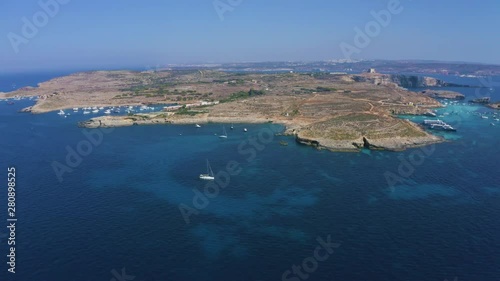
{"points": [[207, 177]]}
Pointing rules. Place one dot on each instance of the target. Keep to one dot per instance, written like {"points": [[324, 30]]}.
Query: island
{"points": [[494, 105], [443, 94], [342, 112]]}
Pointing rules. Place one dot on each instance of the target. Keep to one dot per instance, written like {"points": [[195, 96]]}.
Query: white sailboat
{"points": [[232, 126], [198, 126], [209, 176], [61, 112], [224, 133]]}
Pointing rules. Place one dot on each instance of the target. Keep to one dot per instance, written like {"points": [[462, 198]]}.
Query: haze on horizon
{"points": [[134, 34]]}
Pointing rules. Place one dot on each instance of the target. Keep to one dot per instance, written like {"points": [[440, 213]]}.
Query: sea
{"points": [[126, 204]]}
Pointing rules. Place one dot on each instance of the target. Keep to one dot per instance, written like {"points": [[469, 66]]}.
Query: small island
{"points": [[443, 94], [342, 112], [495, 105]]}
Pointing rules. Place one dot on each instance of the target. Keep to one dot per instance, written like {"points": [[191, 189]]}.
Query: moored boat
{"points": [[209, 176], [224, 133]]}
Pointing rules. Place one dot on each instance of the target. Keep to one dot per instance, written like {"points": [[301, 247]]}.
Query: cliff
{"points": [[405, 81]]}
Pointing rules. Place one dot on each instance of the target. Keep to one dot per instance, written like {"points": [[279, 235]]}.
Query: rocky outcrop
{"points": [[367, 145], [443, 94], [26, 109], [495, 105], [122, 121], [484, 100], [388, 144], [420, 82], [305, 141]]}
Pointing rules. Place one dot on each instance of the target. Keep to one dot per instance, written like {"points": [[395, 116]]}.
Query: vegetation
{"points": [[325, 89], [243, 95], [185, 111]]}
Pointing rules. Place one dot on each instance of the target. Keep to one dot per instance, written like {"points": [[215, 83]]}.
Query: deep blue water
{"points": [[119, 208]]}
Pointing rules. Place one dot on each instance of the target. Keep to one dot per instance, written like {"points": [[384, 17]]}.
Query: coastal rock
{"points": [[484, 100], [306, 141], [443, 94], [26, 109], [495, 105]]}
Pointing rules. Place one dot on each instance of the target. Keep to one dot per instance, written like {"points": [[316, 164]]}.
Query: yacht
{"points": [[95, 111], [61, 112], [438, 125], [443, 127], [209, 176], [86, 112], [245, 130], [433, 122], [198, 126], [108, 111], [224, 133]]}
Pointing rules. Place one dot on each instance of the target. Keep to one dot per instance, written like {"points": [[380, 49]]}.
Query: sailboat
{"points": [[232, 126], [224, 133], [198, 126], [209, 176], [61, 112]]}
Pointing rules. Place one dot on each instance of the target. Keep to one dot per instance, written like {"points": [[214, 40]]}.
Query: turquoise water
{"points": [[119, 207]]}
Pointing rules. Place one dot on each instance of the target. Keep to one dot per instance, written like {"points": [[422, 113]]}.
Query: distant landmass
{"points": [[382, 66]]}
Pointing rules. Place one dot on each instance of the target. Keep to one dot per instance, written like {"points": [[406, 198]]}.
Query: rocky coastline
{"points": [[328, 111]]}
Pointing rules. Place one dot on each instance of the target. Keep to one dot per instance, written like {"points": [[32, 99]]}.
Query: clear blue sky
{"points": [[125, 33]]}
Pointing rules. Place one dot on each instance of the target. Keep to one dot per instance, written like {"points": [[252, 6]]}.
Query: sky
{"points": [[92, 34]]}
